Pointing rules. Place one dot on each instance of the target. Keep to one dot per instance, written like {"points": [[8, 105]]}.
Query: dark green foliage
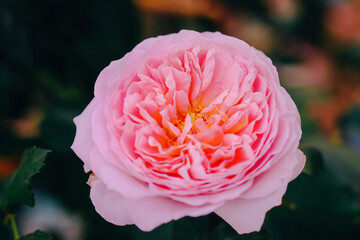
{"points": [[4, 232], [38, 235], [350, 126], [16, 188], [320, 208], [314, 162]]}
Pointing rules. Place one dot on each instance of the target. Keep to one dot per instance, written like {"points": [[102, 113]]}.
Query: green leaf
{"points": [[16, 188], [314, 162], [38, 235], [339, 158]]}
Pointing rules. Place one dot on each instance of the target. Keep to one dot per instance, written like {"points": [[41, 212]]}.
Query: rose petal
{"points": [[111, 176], [300, 164], [109, 204], [149, 213], [274, 178], [83, 142], [247, 215]]}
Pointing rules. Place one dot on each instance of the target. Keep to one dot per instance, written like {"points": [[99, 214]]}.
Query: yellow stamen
{"points": [[194, 113]]}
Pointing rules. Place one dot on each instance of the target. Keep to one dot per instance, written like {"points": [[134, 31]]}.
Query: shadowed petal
{"points": [[149, 213], [83, 142], [247, 213], [109, 204]]}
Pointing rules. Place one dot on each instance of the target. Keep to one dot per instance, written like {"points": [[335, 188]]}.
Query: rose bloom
{"points": [[187, 124]]}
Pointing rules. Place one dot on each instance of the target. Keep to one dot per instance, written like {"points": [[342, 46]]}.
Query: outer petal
{"points": [[300, 164], [115, 179], [149, 213], [275, 177], [91, 146], [109, 204], [83, 142], [119, 70], [247, 213], [229, 42]]}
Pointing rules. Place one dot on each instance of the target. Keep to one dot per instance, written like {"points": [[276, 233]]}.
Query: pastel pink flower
{"points": [[187, 124]]}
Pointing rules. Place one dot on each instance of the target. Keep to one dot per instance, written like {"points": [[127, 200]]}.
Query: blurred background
{"points": [[51, 53]]}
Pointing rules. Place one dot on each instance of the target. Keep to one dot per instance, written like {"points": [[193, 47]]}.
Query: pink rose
{"points": [[188, 124]]}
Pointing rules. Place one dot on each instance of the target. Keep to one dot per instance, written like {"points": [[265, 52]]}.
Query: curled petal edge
{"points": [[119, 210], [246, 214]]}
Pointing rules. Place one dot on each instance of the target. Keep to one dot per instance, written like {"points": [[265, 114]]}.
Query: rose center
{"points": [[194, 113]]}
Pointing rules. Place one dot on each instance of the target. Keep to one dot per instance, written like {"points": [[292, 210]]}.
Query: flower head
{"points": [[188, 124]]}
